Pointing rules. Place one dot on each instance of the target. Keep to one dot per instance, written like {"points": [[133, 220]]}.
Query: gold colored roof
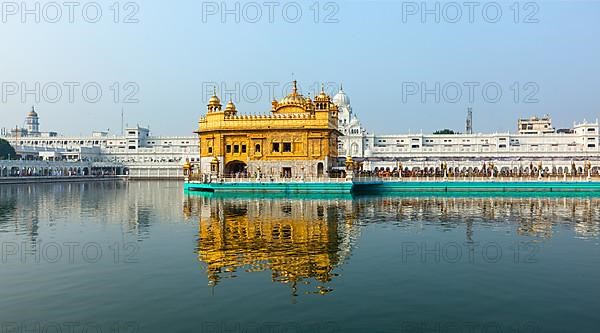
{"points": [[230, 107], [214, 100], [323, 97], [294, 99]]}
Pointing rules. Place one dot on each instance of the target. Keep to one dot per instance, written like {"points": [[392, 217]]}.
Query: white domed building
{"points": [[33, 123], [351, 144]]}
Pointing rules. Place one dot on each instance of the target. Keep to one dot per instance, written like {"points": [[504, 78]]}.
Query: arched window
{"points": [[257, 148]]}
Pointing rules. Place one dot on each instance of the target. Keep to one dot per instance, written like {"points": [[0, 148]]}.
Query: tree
{"points": [[6, 150], [445, 131]]}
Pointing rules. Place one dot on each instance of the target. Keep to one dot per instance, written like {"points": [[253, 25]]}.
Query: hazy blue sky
{"points": [[380, 51]]}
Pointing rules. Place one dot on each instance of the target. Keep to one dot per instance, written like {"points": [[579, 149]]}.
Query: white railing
{"points": [[278, 180], [401, 179], [478, 179]]}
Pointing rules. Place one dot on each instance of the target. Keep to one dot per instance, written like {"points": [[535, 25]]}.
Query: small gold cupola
{"points": [[230, 109], [310, 106], [323, 101], [214, 103]]}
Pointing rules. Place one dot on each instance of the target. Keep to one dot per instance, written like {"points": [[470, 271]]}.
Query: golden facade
{"points": [[299, 242], [299, 138]]}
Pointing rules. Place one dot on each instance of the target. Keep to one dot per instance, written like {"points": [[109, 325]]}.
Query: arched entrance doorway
{"points": [[236, 169], [320, 170]]}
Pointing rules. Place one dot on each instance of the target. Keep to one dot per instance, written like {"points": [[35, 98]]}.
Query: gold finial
{"points": [[295, 88]]}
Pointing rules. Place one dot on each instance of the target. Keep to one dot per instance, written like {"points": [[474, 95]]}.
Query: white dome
{"points": [[341, 99]]}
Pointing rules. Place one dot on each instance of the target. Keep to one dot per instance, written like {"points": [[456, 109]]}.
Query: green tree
{"points": [[6, 150], [444, 131]]}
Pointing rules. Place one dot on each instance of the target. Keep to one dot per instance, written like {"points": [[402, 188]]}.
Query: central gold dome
{"points": [[294, 99]]}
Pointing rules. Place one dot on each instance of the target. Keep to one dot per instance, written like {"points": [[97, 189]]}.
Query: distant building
{"points": [[535, 125], [32, 127], [536, 142], [469, 123], [146, 156]]}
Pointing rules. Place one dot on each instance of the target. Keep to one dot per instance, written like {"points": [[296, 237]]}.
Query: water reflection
{"points": [[301, 242], [532, 216], [134, 205], [303, 239]]}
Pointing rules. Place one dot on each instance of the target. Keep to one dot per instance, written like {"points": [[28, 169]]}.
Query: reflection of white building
{"points": [[146, 156], [536, 141]]}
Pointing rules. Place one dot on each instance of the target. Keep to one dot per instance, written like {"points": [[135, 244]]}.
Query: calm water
{"points": [[145, 257]]}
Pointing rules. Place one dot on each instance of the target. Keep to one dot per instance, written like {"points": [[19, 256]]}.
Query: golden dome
{"points": [[309, 104], [294, 98], [230, 107], [214, 100], [323, 97]]}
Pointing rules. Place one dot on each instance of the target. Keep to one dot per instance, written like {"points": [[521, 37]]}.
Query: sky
{"points": [[407, 67]]}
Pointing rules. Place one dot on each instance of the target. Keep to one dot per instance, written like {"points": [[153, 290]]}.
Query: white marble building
{"points": [[352, 141], [535, 142], [146, 156]]}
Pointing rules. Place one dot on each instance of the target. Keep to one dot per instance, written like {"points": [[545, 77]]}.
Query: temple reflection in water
{"points": [[296, 240], [303, 239]]}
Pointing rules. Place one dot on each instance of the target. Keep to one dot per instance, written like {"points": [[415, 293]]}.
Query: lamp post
{"points": [[187, 167], [214, 168], [349, 168], [588, 166], [400, 167]]}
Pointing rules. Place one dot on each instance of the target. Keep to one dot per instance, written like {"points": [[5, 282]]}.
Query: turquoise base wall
{"points": [[392, 187], [272, 187]]}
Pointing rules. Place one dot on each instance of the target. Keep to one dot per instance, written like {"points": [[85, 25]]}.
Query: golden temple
{"points": [[299, 138]]}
